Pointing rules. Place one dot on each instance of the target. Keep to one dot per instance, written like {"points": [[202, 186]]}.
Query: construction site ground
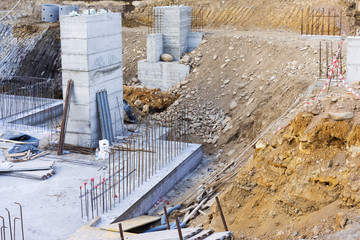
{"points": [[250, 77]]}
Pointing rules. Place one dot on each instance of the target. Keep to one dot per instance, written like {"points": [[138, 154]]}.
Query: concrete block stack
{"points": [[92, 58]]}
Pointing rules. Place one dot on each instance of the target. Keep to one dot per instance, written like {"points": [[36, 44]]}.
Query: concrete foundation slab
{"points": [[161, 74], [143, 198]]}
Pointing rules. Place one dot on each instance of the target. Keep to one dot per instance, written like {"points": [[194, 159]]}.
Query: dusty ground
{"points": [[241, 82]]}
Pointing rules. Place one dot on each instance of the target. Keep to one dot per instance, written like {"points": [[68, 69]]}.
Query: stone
{"points": [[230, 153], [197, 58], [215, 57], [339, 116], [226, 81], [166, 57], [260, 145], [215, 139], [224, 65], [233, 105], [138, 103], [341, 219], [184, 82], [146, 108], [186, 59]]}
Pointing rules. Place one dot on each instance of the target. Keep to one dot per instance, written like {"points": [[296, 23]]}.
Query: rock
{"points": [[341, 219], [260, 145], [215, 57], [226, 81], [146, 108], [138, 103], [215, 139], [224, 65], [197, 58], [184, 82], [230, 153], [166, 57], [339, 116], [233, 105], [355, 151], [186, 59], [231, 48]]}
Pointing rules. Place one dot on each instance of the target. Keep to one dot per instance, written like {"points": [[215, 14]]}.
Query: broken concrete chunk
{"points": [[339, 116], [233, 105], [166, 57]]}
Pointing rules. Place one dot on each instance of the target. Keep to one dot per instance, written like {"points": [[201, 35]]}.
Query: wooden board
{"points": [[166, 234], [131, 223]]}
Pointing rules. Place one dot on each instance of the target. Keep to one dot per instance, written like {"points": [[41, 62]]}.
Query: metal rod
{"points": [[15, 226], [221, 214], [178, 228], [166, 218], [320, 61], [121, 232], [9, 223], [22, 220], [3, 228]]}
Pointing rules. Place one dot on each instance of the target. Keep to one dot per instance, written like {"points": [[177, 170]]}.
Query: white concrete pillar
{"points": [[154, 45], [91, 47], [353, 60], [175, 24]]}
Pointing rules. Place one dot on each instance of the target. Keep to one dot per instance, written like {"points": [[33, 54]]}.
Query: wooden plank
{"points": [[131, 223], [64, 118], [167, 234]]}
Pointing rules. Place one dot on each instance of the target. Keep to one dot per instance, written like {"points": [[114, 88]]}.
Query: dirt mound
{"points": [[310, 168], [148, 100]]}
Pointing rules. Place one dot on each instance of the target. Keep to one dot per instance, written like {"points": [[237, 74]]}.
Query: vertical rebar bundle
{"points": [[321, 22], [29, 103], [8, 225]]}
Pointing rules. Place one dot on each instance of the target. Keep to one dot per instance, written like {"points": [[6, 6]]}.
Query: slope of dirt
{"points": [[304, 180], [260, 14]]}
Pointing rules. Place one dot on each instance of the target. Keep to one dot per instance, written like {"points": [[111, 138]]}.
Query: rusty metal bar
{"points": [[121, 232], [221, 214], [178, 228], [166, 218]]}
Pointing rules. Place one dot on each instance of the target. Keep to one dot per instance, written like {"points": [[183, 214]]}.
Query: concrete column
{"points": [[353, 60], [175, 25], [91, 47], [154, 44]]}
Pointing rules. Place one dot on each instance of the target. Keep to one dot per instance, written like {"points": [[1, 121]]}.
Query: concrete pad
{"points": [[131, 223], [161, 74]]}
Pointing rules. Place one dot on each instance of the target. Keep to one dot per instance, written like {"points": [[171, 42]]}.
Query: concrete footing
{"points": [[161, 74], [143, 198]]}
